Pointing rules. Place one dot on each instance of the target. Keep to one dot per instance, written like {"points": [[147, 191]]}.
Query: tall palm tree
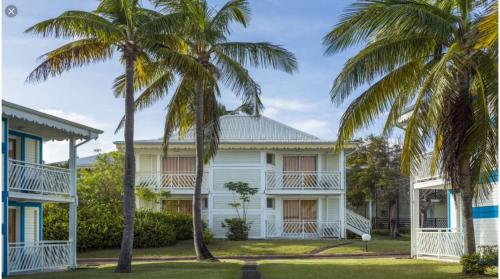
{"points": [[204, 32], [424, 53], [115, 26]]}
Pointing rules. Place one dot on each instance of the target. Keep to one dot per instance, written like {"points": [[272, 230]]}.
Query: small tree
{"points": [[145, 194], [238, 227]]}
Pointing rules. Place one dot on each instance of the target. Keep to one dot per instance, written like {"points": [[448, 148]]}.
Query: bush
{"points": [[208, 235], [183, 225], [472, 264], [477, 263], [237, 229], [153, 229]]}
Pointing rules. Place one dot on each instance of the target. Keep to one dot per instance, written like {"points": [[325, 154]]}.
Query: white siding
{"points": [[237, 157], [486, 231], [31, 224], [147, 163], [491, 199], [32, 151], [332, 162], [332, 210], [222, 176], [223, 201]]}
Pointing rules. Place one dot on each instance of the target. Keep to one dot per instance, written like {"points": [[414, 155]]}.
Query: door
{"points": [[13, 225], [299, 171], [299, 216], [180, 171], [12, 149]]}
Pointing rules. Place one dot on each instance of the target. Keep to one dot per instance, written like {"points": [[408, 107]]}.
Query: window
{"points": [[35, 225], [270, 203], [270, 158], [179, 164], [12, 149], [205, 203], [177, 206]]}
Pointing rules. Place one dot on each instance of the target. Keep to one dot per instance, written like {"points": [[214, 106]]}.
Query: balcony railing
{"points": [[38, 178], [314, 180], [439, 243], [169, 181], [39, 256], [303, 229], [423, 170]]}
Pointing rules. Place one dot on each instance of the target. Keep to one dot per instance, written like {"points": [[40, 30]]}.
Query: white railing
{"points": [[169, 181], [440, 243], [302, 180], [39, 256], [423, 170], [38, 178], [303, 229], [357, 222]]}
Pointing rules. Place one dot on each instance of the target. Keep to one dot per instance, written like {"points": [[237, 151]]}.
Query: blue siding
{"points": [[22, 206], [482, 212], [450, 197]]}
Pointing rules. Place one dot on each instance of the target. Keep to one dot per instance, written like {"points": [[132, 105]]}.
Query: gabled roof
{"points": [[248, 129], [45, 125]]}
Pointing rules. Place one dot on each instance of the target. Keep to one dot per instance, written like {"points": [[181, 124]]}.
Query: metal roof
{"points": [[248, 129], [48, 126]]}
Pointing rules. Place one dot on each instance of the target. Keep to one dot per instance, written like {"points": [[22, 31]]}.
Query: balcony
{"points": [[302, 182], [302, 229], [176, 183], [38, 181], [445, 244], [39, 256]]}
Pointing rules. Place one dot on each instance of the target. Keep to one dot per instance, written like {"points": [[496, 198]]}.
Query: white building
{"points": [[301, 181], [28, 183]]}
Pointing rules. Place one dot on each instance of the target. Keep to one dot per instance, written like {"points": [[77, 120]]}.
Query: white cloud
{"points": [[76, 117], [315, 127], [56, 151]]}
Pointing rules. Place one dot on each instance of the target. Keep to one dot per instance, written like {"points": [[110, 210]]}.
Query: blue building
{"points": [[28, 183]]}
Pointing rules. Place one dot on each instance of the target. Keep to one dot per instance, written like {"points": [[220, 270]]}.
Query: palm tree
{"points": [[115, 26], [425, 54], [204, 32]]}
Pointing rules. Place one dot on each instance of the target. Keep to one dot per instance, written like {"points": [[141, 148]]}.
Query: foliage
{"points": [[152, 229], [440, 59], [237, 229], [375, 175], [478, 263], [100, 221], [150, 197]]}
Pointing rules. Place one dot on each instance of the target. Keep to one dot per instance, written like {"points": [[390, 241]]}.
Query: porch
{"points": [[303, 229], [303, 182], [173, 182], [39, 256]]}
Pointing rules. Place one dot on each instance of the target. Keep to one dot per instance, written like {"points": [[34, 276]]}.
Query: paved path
{"points": [[249, 270], [95, 261]]}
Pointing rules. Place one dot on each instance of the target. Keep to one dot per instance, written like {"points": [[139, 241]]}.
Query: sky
{"points": [[85, 95]]}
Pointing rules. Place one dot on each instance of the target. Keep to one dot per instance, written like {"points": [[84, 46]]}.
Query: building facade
{"points": [[28, 183], [300, 181]]}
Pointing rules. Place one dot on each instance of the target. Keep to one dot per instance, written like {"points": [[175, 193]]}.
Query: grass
{"points": [[374, 246], [358, 268], [178, 270], [223, 248]]}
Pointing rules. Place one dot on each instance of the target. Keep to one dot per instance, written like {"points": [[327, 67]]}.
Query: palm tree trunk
{"points": [[202, 252], [125, 258], [467, 196]]}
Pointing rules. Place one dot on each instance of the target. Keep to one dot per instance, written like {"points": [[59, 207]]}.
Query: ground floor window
{"points": [[299, 216], [184, 206]]}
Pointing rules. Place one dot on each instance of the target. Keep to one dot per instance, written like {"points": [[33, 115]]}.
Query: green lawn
{"points": [[381, 246], [223, 248], [358, 268], [177, 270]]}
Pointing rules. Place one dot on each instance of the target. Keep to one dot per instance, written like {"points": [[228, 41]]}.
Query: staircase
{"points": [[357, 223]]}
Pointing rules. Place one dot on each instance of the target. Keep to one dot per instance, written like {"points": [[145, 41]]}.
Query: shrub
{"points": [[472, 264], [183, 225], [152, 229], [208, 235], [477, 263], [237, 229]]}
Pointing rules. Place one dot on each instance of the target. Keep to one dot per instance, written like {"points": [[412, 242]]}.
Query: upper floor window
{"points": [[270, 158], [179, 164], [299, 163]]}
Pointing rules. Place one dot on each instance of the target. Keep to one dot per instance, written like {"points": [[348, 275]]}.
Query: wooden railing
{"points": [[302, 180], [303, 229], [439, 243], [39, 256], [38, 178], [169, 181]]}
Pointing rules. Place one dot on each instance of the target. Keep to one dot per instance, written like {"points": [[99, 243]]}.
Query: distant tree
{"points": [[375, 175]]}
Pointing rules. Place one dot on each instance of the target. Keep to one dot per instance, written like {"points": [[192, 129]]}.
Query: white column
{"points": [[415, 217], [263, 200], [370, 214], [342, 200], [73, 204], [210, 187]]}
